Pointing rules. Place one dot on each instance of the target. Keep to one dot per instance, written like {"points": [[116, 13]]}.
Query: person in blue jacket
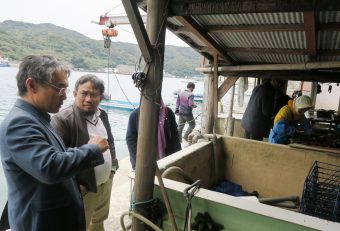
{"points": [[288, 118], [167, 138]]}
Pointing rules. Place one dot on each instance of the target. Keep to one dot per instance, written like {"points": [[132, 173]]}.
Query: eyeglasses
{"points": [[91, 95], [62, 90]]}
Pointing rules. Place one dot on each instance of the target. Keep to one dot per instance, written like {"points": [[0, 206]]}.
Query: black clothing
{"points": [[171, 135], [263, 105]]}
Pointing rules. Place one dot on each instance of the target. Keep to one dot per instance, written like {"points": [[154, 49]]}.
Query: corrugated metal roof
{"points": [[267, 58], [274, 32], [326, 39], [329, 40], [251, 19], [331, 58], [288, 40], [329, 16]]}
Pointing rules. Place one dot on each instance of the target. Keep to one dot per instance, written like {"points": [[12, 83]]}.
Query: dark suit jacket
{"points": [[42, 192], [71, 126]]}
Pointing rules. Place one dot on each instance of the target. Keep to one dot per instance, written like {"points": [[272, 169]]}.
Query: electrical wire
{"points": [[124, 29], [119, 4], [108, 69], [121, 88], [195, 118], [151, 96], [108, 46]]}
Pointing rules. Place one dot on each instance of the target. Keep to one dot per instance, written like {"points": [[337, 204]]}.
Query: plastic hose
{"points": [[140, 217]]}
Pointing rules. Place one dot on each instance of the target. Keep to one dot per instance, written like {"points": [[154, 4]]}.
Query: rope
{"points": [[108, 67], [121, 88], [132, 200], [107, 44], [195, 118], [125, 30], [133, 213], [113, 8]]}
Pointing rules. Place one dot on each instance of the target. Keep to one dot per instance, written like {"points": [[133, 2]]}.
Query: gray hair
{"points": [[97, 82], [41, 68]]}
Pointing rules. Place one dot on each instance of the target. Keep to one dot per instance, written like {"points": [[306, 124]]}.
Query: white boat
{"points": [[4, 62], [119, 104]]}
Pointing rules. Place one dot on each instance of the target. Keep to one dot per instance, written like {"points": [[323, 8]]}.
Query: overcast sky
{"points": [[74, 15]]}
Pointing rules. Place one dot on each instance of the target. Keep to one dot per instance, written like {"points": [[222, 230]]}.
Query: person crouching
{"points": [[287, 119]]}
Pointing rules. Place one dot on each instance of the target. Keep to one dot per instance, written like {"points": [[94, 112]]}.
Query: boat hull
{"points": [[119, 104]]}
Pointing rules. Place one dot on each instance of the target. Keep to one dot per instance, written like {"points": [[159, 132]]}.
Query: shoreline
{"points": [[195, 78]]}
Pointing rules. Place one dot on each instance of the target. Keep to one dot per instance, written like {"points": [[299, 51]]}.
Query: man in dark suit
{"points": [[39, 170]]}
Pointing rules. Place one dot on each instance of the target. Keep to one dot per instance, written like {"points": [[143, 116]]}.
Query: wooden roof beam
{"points": [[329, 52], [176, 29], [139, 30], [273, 51], [310, 34], [328, 26], [194, 28], [274, 67], [313, 76], [226, 85], [255, 28], [211, 7], [270, 51]]}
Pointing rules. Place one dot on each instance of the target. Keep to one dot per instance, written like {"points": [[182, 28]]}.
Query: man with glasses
{"points": [[76, 124], [61, 90], [39, 169]]}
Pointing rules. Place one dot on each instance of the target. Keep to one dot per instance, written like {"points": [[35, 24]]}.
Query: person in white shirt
{"points": [[77, 124]]}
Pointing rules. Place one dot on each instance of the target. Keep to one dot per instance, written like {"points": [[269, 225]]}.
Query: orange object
{"points": [[103, 19], [110, 32]]}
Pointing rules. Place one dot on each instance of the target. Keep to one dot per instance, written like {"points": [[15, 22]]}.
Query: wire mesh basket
{"points": [[321, 192]]}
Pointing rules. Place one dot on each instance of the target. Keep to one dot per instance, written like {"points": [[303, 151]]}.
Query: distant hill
{"points": [[18, 39]]}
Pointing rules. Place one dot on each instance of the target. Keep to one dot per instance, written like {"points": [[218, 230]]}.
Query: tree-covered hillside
{"points": [[18, 39]]}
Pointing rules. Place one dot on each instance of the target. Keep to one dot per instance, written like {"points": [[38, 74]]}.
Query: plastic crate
{"points": [[321, 192]]}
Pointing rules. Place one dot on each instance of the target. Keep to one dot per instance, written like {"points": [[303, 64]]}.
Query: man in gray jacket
{"points": [[39, 170], [76, 124]]}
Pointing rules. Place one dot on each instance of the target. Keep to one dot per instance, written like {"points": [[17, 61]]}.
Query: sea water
{"points": [[120, 87]]}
